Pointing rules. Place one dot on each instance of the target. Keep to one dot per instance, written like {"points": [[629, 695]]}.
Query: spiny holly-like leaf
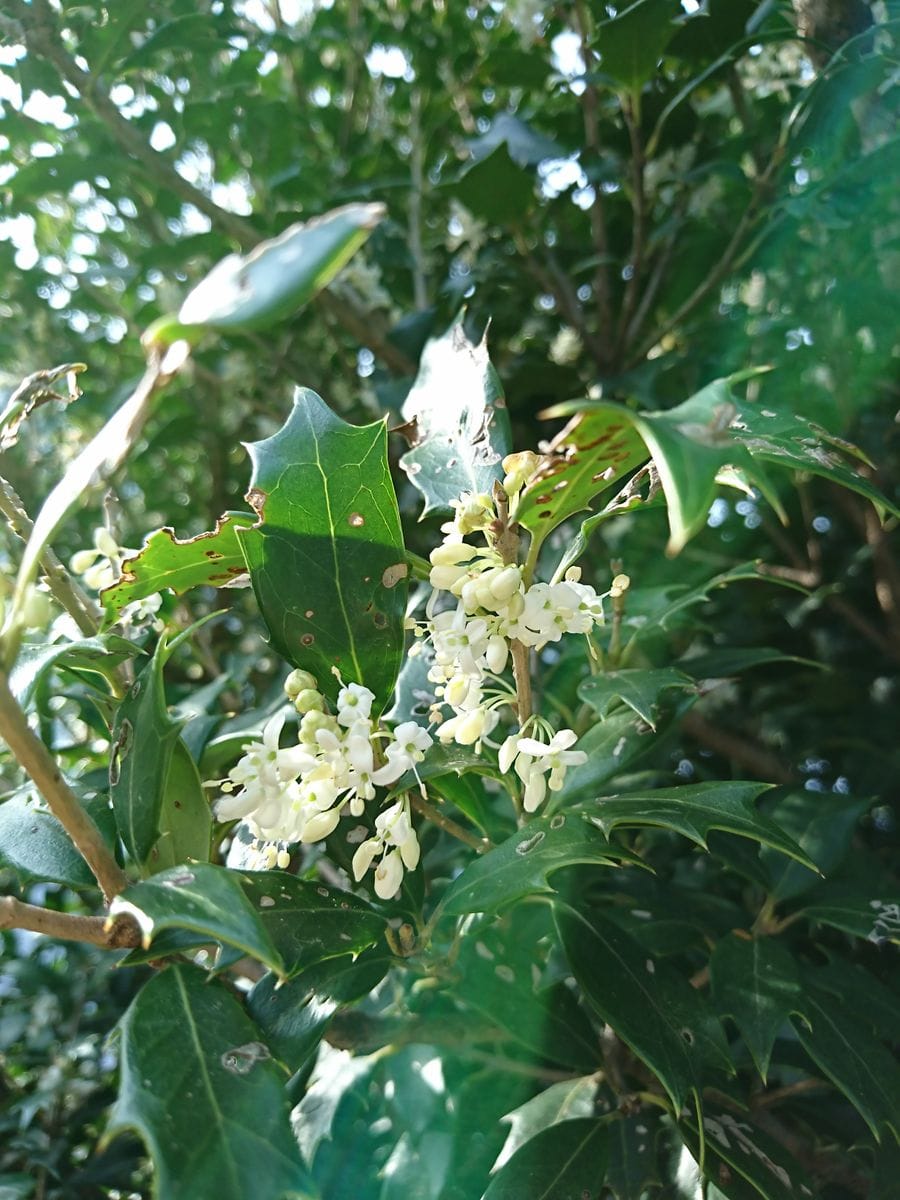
{"points": [[165, 561], [520, 866], [745, 1161], [694, 442], [733, 660], [633, 1171], [651, 1006], [595, 449], [143, 740], [496, 187], [612, 746], [693, 811], [459, 424], [632, 43], [308, 922], [35, 846], [873, 917], [855, 1060], [756, 982], [95, 656], [185, 820], [565, 1101], [294, 1015], [327, 558], [567, 1160], [639, 689], [201, 1090], [279, 276], [203, 899]]}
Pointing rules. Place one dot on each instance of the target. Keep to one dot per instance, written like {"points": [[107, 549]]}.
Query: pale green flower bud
{"points": [[298, 681], [309, 700]]}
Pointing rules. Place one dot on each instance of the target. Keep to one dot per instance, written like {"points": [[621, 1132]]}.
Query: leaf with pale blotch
{"points": [[520, 866], [853, 1058], [143, 741], [203, 899], [324, 557], [458, 421], [165, 561], [755, 981], [563, 1101], [864, 913], [594, 451], [652, 1008], [185, 820], [693, 811], [639, 689], [612, 746], [567, 1160], [746, 1162], [307, 922], [633, 1171], [192, 1061]]}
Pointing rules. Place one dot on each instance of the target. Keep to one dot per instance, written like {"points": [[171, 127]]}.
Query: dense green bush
{"points": [[618, 282]]}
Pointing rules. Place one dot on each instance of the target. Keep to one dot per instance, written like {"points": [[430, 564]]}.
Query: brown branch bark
{"points": [[740, 750], [119, 933], [36, 760]]}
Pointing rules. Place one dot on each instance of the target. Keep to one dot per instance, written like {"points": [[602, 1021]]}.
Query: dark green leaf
{"points": [[754, 1163], [733, 660], [595, 449], [496, 188], [632, 43], [192, 1061], [633, 1170], [866, 916], [564, 1101], [521, 865], [612, 745], [281, 275], [35, 846], [293, 1016], [459, 424], [639, 689], [185, 820], [308, 923], [206, 900], [327, 561], [855, 1061], [860, 992], [548, 1022], [165, 561], [650, 1006], [823, 825], [693, 811], [526, 146], [755, 981], [566, 1161], [143, 741]]}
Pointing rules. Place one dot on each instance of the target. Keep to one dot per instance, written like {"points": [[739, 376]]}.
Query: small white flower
{"points": [[364, 857], [389, 875], [320, 825], [353, 702]]}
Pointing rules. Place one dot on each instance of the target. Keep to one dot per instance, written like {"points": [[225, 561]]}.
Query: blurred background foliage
{"points": [[624, 229]]}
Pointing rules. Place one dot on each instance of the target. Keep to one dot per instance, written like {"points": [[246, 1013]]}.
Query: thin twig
{"points": [[73, 599], [115, 934], [631, 113], [36, 760], [741, 751], [426, 809]]}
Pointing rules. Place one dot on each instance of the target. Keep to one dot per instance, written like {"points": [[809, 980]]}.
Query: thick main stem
{"points": [[36, 760]]}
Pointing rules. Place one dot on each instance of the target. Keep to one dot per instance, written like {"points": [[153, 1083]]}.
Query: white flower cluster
{"points": [[471, 641], [299, 793]]}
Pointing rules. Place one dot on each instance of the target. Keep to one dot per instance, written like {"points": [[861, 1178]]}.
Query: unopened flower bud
{"points": [[82, 561], [497, 653], [312, 722], [518, 468], [298, 681], [451, 554], [309, 700], [363, 857], [619, 586], [105, 542], [506, 583], [320, 826], [573, 575]]}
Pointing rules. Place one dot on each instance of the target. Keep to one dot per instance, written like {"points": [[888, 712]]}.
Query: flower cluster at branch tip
{"points": [[299, 793]]}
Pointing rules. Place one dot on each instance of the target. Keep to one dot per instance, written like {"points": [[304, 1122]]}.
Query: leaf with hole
{"points": [[190, 1059], [164, 561], [327, 559], [459, 427]]}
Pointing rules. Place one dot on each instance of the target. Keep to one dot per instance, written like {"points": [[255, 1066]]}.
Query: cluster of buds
{"points": [[298, 794]]}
